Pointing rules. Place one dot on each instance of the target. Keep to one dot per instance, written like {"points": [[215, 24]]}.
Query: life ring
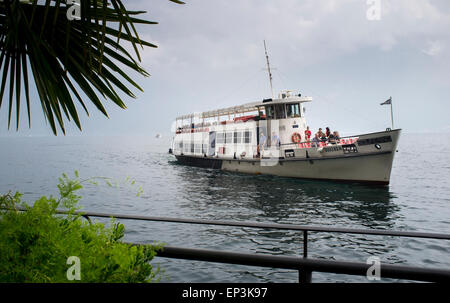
{"points": [[296, 138]]}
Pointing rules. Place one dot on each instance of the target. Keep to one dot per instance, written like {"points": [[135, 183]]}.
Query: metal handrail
{"points": [[304, 265], [314, 144], [345, 137], [379, 232]]}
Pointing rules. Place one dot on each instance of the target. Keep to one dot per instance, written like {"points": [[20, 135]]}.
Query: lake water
{"points": [[418, 199]]}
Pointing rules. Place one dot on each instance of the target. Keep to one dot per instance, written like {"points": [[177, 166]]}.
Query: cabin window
{"points": [[280, 112], [186, 147], [220, 138], [237, 137], [204, 148], [180, 145], [270, 112], [197, 148], [293, 110], [192, 147], [229, 138], [247, 137]]}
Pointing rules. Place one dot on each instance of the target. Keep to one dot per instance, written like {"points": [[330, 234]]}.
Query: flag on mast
{"points": [[388, 101]]}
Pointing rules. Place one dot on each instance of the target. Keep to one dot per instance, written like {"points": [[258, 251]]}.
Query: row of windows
{"points": [[221, 138], [193, 148], [234, 137]]}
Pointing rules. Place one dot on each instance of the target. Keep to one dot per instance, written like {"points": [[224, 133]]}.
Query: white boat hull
{"points": [[371, 163], [366, 168]]}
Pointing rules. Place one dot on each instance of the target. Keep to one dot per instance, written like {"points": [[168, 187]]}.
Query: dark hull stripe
{"points": [[200, 162], [206, 162]]}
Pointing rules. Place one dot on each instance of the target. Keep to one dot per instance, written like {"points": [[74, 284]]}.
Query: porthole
{"points": [[377, 146]]}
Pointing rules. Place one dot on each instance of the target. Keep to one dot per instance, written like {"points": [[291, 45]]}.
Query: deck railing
{"points": [[305, 265]]}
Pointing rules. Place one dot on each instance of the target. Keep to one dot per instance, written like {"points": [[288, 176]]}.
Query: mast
{"points": [[268, 68], [392, 114]]}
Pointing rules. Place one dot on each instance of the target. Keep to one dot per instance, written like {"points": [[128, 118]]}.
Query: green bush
{"points": [[35, 244]]}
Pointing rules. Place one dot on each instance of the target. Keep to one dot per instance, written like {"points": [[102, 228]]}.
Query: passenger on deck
{"points": [[262, 140], [334, 138], [307, 134], [327, 132], [331, 138], [321, 135], [337, 137], [316, 140], [275, 140]]}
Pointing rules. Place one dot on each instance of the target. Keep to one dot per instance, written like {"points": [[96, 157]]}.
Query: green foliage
{"points": [[35, 244]]}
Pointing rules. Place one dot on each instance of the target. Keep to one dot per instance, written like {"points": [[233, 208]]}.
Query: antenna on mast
{"points": [[268, 68]]}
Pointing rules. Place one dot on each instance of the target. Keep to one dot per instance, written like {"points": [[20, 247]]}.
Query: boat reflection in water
{"points": [[218, 195], [286, 200]]}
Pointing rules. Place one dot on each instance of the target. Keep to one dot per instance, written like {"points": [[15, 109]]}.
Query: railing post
{"points": [[305, 244], [305, 276]]}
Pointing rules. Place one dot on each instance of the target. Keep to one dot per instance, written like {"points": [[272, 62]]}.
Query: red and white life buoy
{"points": [[296, 138]]}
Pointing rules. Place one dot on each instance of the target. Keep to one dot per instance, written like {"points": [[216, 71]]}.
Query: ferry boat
{"points": [[268, 137]]}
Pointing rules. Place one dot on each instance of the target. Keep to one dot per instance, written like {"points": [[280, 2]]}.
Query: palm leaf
{"points": [[66, 57]]}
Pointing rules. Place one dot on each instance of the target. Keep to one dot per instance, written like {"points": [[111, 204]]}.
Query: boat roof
{"points": [[248, 107]]}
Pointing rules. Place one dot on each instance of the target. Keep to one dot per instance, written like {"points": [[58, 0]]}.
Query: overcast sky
{"points": [[210, 55]]}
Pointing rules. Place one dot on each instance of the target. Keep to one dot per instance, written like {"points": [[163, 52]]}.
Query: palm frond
{"points": [[68, 57]]}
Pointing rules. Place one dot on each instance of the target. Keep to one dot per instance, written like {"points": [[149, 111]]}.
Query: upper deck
{"points": [[288, 104]]}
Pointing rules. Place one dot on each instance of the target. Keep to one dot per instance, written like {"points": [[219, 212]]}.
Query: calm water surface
{"points": [[418, 199]]}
